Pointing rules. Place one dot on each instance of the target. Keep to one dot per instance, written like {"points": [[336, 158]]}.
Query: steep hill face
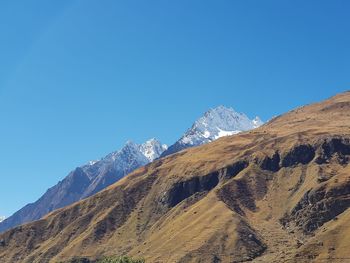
{"points": [[279, 193], [87, 180], [214, 124]]}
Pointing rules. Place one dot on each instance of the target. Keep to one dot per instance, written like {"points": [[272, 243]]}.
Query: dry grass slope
{"points": [[279, 193]]}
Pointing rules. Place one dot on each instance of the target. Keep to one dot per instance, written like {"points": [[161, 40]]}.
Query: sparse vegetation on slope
{"points": [[279, 193], [123, 259], [109, 259]]}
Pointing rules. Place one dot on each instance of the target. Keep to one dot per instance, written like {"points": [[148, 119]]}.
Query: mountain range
{"points": [[278, 193], [94, 176]]}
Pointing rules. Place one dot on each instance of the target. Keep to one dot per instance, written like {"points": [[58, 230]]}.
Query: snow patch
{"points": [[206, 134], [223, 133], [92, 162]]}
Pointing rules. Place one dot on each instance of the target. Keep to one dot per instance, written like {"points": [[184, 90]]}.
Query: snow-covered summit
{"points": [[257, 122], [2, 218], [215, 123], [152, 149]]}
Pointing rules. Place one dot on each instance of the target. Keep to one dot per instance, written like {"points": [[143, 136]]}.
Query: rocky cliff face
{"points": [[278, 193]]}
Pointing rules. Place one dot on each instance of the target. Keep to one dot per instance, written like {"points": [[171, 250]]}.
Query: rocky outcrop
{"points": [[234, 169], [300, 154], [182, 190], [270, 163], [326, 201], [318, 207], [339, 147], [305, 153]]}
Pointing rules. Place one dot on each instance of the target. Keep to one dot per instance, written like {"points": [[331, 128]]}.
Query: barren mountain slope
{"points": [[279, 193]]}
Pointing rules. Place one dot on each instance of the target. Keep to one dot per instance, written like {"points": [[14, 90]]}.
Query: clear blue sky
{"points": [[79, 78]]}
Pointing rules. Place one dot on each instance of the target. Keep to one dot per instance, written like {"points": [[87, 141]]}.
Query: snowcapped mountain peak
{"points": [[221, 109], [215, 123], [2, 218], [225, 119], [218, 122], [130, 144], [257, 122], [152, 149]]}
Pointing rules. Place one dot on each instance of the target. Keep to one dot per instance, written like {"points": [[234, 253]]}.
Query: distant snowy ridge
{"points": [[2, 218], [87, 180], [96, 175], [215, 123], [117, 164], [150, 150]]}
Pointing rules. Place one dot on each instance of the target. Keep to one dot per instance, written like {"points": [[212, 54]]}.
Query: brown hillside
{"points": [[279, 193]]}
